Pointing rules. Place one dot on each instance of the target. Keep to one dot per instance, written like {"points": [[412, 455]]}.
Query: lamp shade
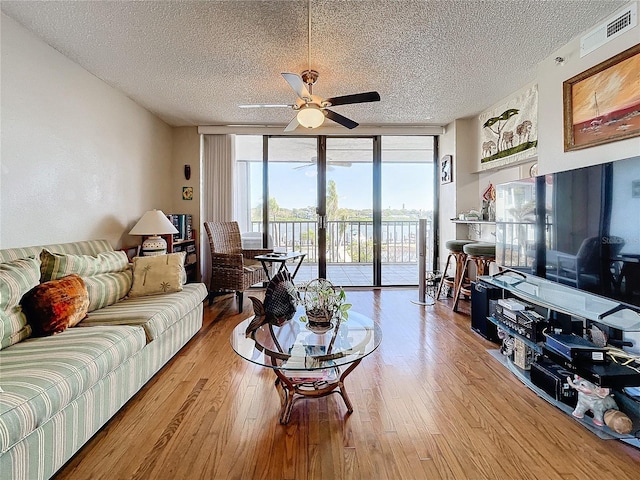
{"points": [[310, 116], [154, 223]]}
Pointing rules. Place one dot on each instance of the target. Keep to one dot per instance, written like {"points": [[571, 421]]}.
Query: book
{"points": [[173, 218]]}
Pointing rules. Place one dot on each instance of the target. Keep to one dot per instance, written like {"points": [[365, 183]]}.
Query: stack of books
{"points": [[184, 224]]}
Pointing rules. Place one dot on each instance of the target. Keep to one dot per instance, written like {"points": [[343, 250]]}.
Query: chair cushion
{"points": [[17, 277], [40, 376], [480, 249], [456, 245], [155, 313], [251, 265], [53, 306], [106, 275]]}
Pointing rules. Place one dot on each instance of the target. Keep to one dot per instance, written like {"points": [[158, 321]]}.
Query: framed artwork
{"points": [[446, 169], [602, 104], [187, 193], [509, 132]]}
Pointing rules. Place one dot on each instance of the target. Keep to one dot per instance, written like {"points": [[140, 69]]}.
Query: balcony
{"points": [[350, 249]]}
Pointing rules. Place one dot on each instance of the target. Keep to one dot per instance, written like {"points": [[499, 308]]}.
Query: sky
{"points": [[408, 185], [407, 171]]}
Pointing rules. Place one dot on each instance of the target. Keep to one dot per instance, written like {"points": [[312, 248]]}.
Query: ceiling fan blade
{"points": [[293, 124], [341, 119], [265, 105], [355, 98], [298, 85]]}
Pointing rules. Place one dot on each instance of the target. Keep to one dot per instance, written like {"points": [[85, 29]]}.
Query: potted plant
{"points": [[323, 302]]}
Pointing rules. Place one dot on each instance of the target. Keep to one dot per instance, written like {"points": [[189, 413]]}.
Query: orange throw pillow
{"points": [[53, 306]]}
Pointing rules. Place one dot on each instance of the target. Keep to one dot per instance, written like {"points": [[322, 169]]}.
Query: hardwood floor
{"points": [[430, 403]]}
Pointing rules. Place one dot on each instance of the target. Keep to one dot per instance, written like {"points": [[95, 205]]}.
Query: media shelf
{"points": [[583, 310], [536, 347], [479, 222], [475, 226], [567, 300], [602, 432]]}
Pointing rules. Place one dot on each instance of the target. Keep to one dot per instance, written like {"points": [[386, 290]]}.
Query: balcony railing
{"points": [[350, 241]]}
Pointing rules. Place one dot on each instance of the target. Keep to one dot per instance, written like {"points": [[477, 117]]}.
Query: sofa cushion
{"points": [[106, 275], [157, 274], [85, 247], [40, 376], [156, 313], [53, 306], [17, 277]]}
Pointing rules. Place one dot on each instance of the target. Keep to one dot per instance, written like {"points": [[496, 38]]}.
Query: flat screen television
{"points": [[578, 227]]}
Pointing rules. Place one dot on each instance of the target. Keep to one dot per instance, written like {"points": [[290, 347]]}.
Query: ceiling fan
{"points": [[313, 109], [330, 164]]}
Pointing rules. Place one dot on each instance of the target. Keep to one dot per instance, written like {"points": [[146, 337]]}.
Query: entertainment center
{"points": [[564, 312], [565, 305]]}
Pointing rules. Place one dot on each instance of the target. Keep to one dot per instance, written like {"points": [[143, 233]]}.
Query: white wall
{"points": [[79, 160], [448, 202], [550, 76], [186, 151], [459, 141], [551, 154], [461, 138]]}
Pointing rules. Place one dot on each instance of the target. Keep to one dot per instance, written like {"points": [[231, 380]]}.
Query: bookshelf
{"points": [[190, 247]]}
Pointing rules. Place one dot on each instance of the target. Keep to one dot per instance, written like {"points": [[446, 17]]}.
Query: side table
{"points": [[282, 259]]}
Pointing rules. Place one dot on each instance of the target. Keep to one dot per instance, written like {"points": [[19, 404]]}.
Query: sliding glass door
{"points": [[349, 211], [407, 193], [292, 193], [351, 204]]}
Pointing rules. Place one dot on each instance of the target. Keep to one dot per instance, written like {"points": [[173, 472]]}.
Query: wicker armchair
{"points": [[232, 268]]}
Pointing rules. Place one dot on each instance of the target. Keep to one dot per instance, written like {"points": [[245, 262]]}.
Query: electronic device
{"points": [[512, 304], [609, 375], [506, 311], [522, 354], [482, 296], [578, 225], [552, 378], [531, 325], [575, 348]]}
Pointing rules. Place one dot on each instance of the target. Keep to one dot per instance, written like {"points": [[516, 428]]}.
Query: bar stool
{"points": [[457, 255], [481, 254]]}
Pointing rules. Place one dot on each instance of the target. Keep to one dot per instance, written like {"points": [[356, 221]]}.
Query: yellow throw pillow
{"points": [[157, 274]]}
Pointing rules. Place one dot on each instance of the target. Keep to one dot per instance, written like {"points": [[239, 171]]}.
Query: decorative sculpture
{"points": [[618, 422], [592, 397], [280, 302]]}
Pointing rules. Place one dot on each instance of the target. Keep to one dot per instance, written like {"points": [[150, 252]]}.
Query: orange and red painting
{"points": [[602, 104]]}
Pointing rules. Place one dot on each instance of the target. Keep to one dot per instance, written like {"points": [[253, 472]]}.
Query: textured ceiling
{"points": [[194, 62]]}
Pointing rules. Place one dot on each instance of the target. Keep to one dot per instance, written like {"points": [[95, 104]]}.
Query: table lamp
{"points": [[153, 223]]}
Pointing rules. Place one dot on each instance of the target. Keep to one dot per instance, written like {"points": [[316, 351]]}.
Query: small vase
{"points": [[319, 322], [319, 318]]}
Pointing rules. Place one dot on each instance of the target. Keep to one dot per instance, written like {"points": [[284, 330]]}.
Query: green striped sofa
{"points": [[56, 392]]}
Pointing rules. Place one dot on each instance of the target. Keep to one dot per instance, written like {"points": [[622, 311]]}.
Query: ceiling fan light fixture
{"points": [[310, 116]]}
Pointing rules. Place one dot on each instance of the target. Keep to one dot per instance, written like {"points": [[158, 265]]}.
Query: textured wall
{"points": [[186, 150], [552, 157], [79, 159]]}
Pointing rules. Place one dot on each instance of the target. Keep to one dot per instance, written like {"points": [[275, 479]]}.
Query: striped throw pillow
{"points": [[16, 278], [106, 275]]}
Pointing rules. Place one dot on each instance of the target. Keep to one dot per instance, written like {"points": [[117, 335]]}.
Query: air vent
{"points": [[619, 23]]}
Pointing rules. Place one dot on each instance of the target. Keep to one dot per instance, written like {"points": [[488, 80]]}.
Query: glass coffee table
{"points": [[307, 362]]}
